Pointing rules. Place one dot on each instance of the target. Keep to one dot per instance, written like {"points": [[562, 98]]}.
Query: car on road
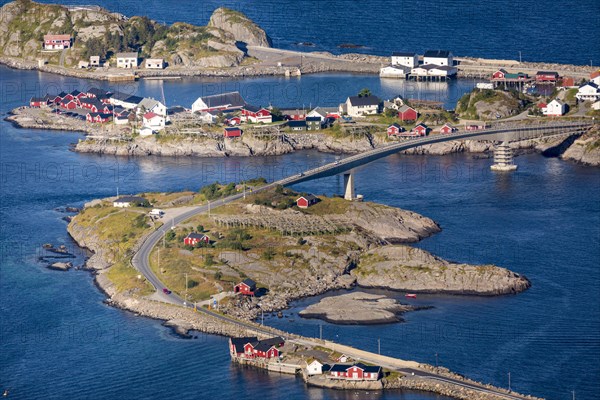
{"points": [[166, 291]]}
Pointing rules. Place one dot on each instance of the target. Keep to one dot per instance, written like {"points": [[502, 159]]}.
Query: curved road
{"points": [[141, 260]]}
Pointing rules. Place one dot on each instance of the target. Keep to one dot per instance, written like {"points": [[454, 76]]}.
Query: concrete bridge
{"points": [[503, 134]]}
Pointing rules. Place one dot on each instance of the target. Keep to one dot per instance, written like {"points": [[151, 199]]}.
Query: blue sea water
{"points": [[58, 339], [552, 31]]}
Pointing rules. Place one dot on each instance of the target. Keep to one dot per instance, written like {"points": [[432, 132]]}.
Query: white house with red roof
{"points": [[57, 42], [154, 121]]}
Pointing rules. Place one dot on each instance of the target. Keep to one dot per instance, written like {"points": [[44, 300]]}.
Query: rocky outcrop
{"points": [[410, 269], [241, 27], [356, 308], [586, 149]]}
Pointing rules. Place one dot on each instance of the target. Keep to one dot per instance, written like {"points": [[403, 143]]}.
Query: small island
{"points": [[268, 239]]}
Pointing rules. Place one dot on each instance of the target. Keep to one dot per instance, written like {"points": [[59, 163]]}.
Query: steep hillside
{"points": [[96, 31], [490, 104]]}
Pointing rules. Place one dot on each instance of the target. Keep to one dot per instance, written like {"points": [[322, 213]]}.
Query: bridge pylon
{"points": [[503, 158], [349, 193]]}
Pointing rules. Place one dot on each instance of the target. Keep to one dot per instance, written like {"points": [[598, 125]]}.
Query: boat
{"points": [[410, 295]]}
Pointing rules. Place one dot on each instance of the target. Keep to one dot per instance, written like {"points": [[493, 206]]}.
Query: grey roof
{"points": [[148, 103], [194, 235], [252, 108], [130, 199], [364, 100], [437, 53], [309, 197], [127, 55], [405, 108], [38, 99], [249, 282], [322, 112], [547, 73], [240, 342], [97, 92], [345, 367], [297, 124], [403, 54], [229, 100]]}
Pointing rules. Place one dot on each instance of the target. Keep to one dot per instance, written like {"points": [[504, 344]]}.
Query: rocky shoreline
{"points": [[584, 150]]}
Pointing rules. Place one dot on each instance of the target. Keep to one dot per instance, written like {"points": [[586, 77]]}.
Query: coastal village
{"points": [[235, 262]]}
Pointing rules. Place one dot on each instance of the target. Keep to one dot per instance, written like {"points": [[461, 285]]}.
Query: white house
{"points": [[153, 121], [356, 106], [442, 70], [154, 63], [207, 117], [555, 108], [154, 106], [223, 101], [318, 112], [128, 201], [596, 105], [146, 131], [127, 60], [394, 71], [438, 57], [314, 368], [409, 60], [94, 61], [589, 91]]}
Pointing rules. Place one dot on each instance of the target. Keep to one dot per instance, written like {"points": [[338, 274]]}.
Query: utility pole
{"points": [[158, 258], [573, 393], [209, 208], [520, 57], [509, 389], [321, 331], [436, 359], [244, 191], [186, 287]]}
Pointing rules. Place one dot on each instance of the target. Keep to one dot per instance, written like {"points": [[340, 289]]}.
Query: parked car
{"points": [[166, 291]]}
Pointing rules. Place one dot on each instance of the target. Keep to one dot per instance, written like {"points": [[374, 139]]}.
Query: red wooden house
{"points": [[57, 42], [356, 372], [232, 132], [251, 348], [546, 76], [407, 113], [394, 130], [233, 121], [500, 74], [68, 104], [256, 114], [246, 287], [447, 128], [420, 130], [306, 201], [38, 102], [193, 239], [59, 97], [97, 118]]}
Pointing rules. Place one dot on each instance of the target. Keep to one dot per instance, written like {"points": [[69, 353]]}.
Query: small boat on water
{"points": [[410, 295]]}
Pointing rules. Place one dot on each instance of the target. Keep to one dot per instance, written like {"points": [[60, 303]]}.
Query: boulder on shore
{"points": [[357, 308], [241, 27]]}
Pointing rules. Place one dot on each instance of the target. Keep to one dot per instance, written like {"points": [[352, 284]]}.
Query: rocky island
{"points": [[334, 244], [357, 308]]}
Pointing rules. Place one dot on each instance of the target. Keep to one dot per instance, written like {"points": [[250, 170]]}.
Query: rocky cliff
{"points": [[96, 31], [586, 149], [241, 27], [410, 269]]}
